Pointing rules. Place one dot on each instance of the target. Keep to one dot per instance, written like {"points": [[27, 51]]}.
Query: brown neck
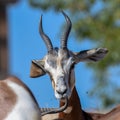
{"points": [[76, 112]]}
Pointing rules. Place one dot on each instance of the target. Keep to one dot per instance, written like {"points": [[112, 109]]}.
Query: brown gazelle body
{"points": [[17, 101], [59, 63]]}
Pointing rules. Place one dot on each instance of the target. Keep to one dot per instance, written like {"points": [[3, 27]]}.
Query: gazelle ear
{"points": [[91, 55], [37, 68]]}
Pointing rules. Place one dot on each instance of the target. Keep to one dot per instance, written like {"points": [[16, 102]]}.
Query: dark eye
{"points": [[73, 61], [72, 66]]}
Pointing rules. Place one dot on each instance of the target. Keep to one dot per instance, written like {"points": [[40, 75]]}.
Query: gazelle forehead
{"points": [[63, 53], [58, 54]]}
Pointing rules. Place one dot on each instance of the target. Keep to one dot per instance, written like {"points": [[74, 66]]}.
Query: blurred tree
{"points": [[4, 37], [98, 21]]}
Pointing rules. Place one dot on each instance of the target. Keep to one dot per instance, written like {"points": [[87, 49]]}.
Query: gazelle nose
{"points": [[62, 92]]}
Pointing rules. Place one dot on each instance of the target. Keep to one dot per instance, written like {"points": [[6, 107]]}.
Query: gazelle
{"points": [[59, 64], [17, 102]]}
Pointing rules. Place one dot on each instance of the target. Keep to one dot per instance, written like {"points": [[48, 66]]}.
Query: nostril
{"points": [[65, 91], [62, 92]]}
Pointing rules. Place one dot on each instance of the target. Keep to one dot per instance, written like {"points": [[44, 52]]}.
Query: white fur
{"points": [[59, 71], [25, 108], [68, 110]]}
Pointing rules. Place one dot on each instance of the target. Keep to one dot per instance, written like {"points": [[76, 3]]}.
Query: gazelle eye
{"points": [[72, 60]]}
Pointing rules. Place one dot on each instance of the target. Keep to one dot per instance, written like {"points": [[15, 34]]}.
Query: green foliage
{"points": [[99, 21]]}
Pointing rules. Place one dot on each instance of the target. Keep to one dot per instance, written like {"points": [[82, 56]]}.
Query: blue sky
{"points": [[26, 44]]}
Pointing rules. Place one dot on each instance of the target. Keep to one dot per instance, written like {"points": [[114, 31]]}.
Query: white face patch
{"points": [[25, 108], [58, 67]]}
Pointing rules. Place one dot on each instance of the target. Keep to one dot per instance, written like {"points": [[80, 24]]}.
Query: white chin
{"points": [[58, 96]]}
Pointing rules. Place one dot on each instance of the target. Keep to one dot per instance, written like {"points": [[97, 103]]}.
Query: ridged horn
{"points": [[45, 37], [67, 31]]}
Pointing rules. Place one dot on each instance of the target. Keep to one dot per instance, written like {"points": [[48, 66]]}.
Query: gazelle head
{"points": [[59, 62]]}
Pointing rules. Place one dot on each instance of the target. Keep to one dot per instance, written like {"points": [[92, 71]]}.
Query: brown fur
{"points": [[7, 99], [18, 81], [36, 71], [112, 115], [76, 113]]}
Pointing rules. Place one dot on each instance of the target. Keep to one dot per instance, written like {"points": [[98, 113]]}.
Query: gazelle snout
{"points": [[61, 89]]}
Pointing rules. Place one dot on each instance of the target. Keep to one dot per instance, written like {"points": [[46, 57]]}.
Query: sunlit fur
{"points": [[16, 101]]}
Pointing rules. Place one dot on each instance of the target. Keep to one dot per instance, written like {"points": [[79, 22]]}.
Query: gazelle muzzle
{"points": [[61, 88]]}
